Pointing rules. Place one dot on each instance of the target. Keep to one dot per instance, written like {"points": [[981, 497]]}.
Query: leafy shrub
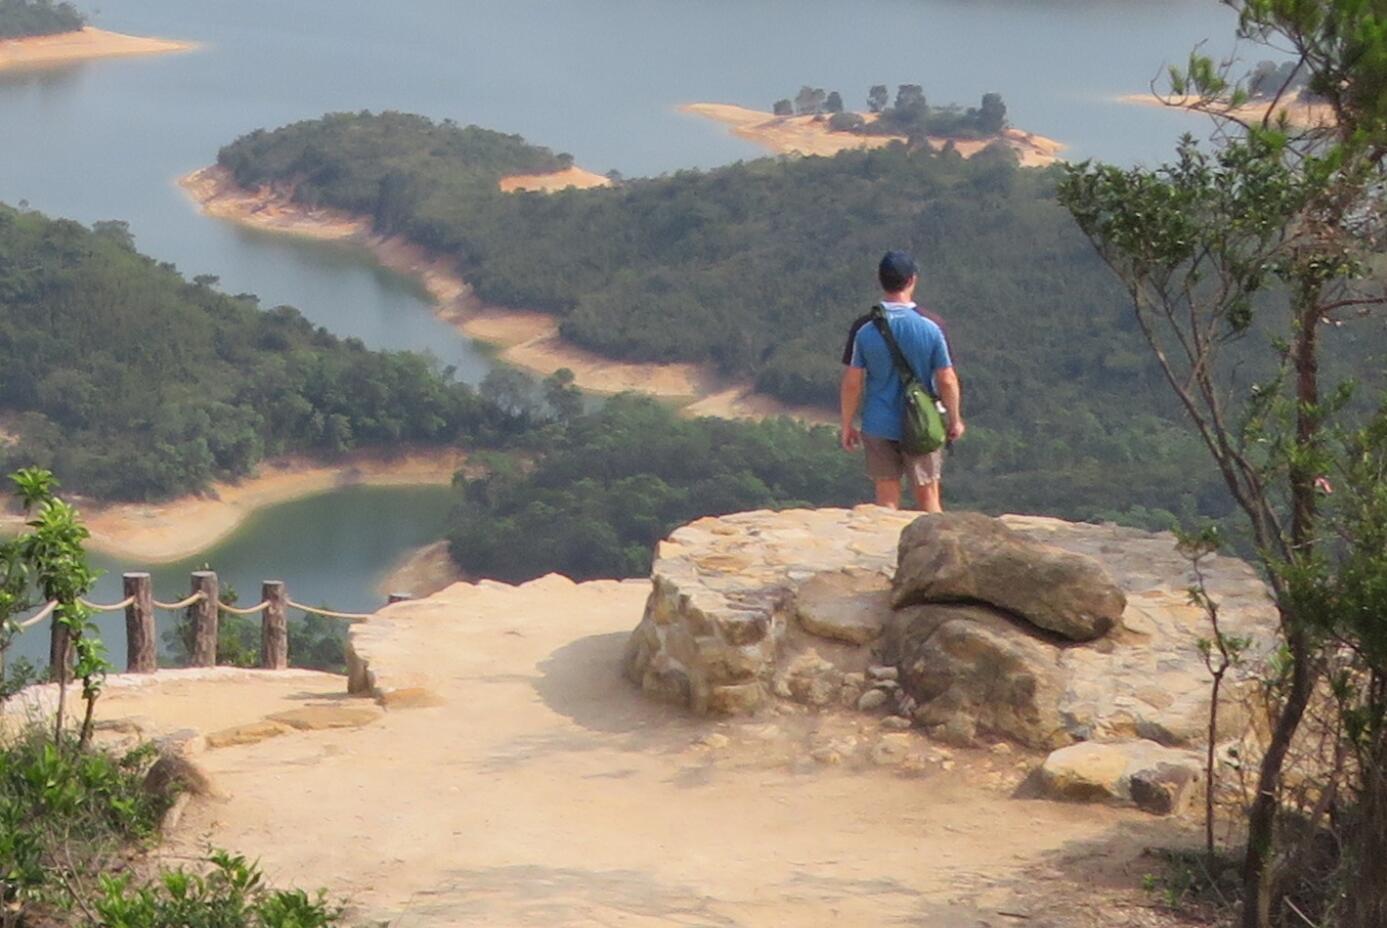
{"points": [[231, 894], [67, 813]]}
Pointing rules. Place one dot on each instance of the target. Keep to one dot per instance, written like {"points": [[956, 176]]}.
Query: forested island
{"points": [[25, 18], [910, 115], [756, 269]]}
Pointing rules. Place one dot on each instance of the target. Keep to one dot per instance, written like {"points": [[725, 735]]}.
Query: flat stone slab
{"points": [[730, 595], [845, 605]]}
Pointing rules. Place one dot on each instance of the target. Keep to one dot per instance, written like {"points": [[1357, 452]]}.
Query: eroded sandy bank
{"points": [[154, 533], [554, 181], [805, 136], [83, 45], [525, 338], [1299, 113]]}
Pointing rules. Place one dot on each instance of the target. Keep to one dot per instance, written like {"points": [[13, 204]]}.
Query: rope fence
{"points": [[97, 607], [204, 607], [181, 604]]}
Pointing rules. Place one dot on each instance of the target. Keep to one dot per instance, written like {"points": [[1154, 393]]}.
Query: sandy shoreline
{"points": [[804, 135], [422, 572], [83, 45], [524, 338], [1300, 113], [155, 533]]}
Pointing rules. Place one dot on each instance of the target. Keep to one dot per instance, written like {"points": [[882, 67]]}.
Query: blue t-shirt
{"points": [[924, 347]]}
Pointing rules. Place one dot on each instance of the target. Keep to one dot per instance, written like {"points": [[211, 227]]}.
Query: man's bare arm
{"points": [[951, 395], [849, 401]]}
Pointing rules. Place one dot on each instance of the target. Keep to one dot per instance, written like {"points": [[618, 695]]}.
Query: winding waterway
{"points": [[598, 78]]}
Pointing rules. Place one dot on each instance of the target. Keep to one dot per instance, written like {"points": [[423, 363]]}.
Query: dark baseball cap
{"points": [[895, 270]]}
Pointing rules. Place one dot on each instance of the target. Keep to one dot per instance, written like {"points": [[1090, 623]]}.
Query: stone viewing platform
{"points": [[1025, 629]]}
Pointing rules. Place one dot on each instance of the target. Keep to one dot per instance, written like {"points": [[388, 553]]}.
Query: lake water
{"points": [[600, 79], [331, 550]]}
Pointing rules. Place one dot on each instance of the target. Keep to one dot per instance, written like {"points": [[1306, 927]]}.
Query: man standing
{"points": [[871, 373]]}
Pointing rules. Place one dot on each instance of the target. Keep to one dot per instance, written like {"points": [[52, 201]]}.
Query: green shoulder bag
{"points": [[922, 429]]}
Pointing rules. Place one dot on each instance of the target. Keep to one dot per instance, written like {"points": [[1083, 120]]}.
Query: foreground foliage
{"points": [[231, 894], [67, 813], [1280, 231]]}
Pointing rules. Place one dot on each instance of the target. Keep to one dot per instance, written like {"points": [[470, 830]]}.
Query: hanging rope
{"points": [[197, 597], [42, 614], [251, 611], [349, 616], [114, 607]]}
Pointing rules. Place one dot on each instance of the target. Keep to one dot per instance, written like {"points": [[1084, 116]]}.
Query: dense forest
{"points": [[612, 482], [911, 115], [24, 18], [131, 382], [757, 269]]}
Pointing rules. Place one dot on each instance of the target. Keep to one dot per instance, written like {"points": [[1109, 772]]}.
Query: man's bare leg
{"points": [[888, 493], [928, 496]]}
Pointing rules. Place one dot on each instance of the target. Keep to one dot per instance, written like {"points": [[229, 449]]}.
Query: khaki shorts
{"points": [[886, 462]]}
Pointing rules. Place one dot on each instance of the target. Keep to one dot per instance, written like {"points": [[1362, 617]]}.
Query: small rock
{"points": [[872, 699], [827, 756], [895, 723], [855, 679], [883, 672], [1155, 778], [1001, 747], [947, 765], [714, 740], [891, 749]]}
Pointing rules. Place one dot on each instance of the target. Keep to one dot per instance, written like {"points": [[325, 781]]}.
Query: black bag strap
{"points": [[903, 368]]}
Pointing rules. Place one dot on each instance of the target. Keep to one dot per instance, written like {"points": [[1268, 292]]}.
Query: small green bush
{"points": [[231, 894], [65, 814]]}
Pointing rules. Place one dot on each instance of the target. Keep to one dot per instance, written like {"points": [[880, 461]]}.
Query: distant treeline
{"points": [[910, 115], [611, 483], [757, 269], [131, 382], [24, 18]]}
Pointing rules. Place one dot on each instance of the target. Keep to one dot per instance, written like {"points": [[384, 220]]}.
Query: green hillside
{"points": [[131, 382], [757, 268]]}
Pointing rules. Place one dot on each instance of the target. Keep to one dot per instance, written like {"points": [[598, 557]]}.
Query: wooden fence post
{"points": [[59, 653], [274, 626], [203, 615], [141, 641]]}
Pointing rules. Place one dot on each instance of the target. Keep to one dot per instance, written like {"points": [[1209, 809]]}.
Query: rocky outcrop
{"points": [[720, 633], [972, 668], [970, 558], [757, 606]]}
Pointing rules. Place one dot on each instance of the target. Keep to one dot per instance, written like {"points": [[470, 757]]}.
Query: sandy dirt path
{"points": [[526, 339], [804, 135], [543, 790], [155, 533], [83, 45]]}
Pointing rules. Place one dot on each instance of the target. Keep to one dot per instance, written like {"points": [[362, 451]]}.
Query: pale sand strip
{"points": [[804, 135], [155, 533], [1302, 114], [526, 339], [554, 181], [82, 45]]}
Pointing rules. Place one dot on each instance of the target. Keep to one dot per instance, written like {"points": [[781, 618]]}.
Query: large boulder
{"points": [[754, 607], [971, 558], [1152, 777], [971, 668]]}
